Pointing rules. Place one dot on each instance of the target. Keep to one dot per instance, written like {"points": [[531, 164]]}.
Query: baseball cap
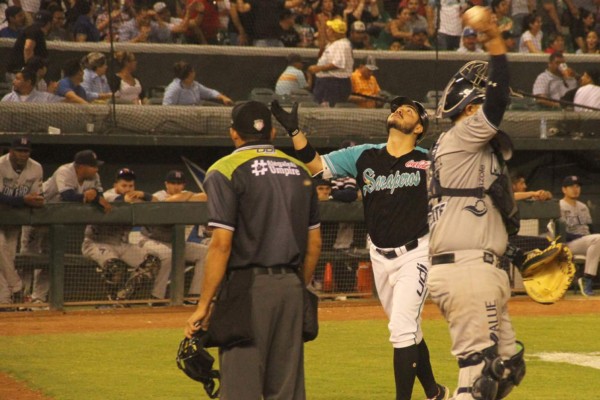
{"points": [[21, 143], [322, 182], [11, 11], [159, 7], [251, 118], [337, 25], [371, 64], [126, 174], [43, 17], [469, 32], [175, 176], [400, 101], [87, 157], [358, 26], [293, 58], [419, 30], [571, 180]]}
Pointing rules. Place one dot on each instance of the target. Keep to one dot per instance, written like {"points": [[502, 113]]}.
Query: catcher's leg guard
{"points": [[485, 386], [112, 271], [150, 265], [515, 367]]}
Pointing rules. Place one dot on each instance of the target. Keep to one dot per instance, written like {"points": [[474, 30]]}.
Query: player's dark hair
{"points": [[29, 75], [555, 55], [71, 67], [122, 58], [495, 4], [529, 20], [36, 63], [182, 69]]}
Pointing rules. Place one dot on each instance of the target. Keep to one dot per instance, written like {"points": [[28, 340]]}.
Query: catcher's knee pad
{"points": [[485, 386], [515, 372]]}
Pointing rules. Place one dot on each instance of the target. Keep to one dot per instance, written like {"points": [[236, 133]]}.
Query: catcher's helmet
{"points": [[197, 363], [400, 101], [465, 87]]}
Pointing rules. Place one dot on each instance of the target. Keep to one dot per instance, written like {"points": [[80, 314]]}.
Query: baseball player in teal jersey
{"points": [[20, 185], [392, 179], [468, 233]]}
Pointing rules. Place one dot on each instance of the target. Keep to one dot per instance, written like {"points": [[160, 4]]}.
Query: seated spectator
{"points": [[556, 43], [289, 36], [582, 27], [58, 31], [31, 42], [177, 26], [126, 86], [119, 16], [24, 90], [334, 67], [588, 93], [578, 220], [554, 82], [15, 17], [591, 44], [70, 87], [400, 27], [40, 67], [109, 246], [359, 38], [94, 77], [142, 29], [469, 43], [510, 40], [292, 77], [84, 29], [366, 11], [396, 45], [184, 90], [418, 41], [417, 15], [501, 10], [365, 83], [531, 39]]}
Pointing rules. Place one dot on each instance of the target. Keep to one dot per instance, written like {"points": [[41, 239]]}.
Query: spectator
{"points": [[126, 86], [84, 28], [142, 29], [576, 216], [204, 22], [292, 77], [591, 44], [582, 27], [70, 87], [334, 67], [418, 41], [450, 23], [31, 42], [556, 43], [417, 20], [554, 82], [58, 31], [359, 38], [400, 28], [266, 14], [240, 26], [24, 90], [397, 46], [40, 67], [94, 77], [551, 13], [20, 186], [588, 93], [118, 15], [184, 90], [365, 83], [326, 10], [366, 11], [501, 10], [109, 246], [469, 42], [76, 182], [177, 26], [519, 10], [510, 40], [157, 239], [15, 17], [531, 39], [288, 35]]}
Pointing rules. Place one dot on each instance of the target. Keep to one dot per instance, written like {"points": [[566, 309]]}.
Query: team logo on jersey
{"points": [[261, 167], [373, 183], [435, 214], [479, 209], [422, 164], [259, 124]]}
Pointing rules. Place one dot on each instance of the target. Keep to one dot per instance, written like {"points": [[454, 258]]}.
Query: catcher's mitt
{"points": [[197, 363], [547, 274]]}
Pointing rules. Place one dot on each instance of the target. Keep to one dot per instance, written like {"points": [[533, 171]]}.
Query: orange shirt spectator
{"points": [[364, 82]]}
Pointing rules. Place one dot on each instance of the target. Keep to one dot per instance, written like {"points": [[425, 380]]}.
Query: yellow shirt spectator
{"points": [[365, 83]]}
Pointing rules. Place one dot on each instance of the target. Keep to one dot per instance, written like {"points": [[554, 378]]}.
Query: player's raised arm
{"points": [[304, 151]]}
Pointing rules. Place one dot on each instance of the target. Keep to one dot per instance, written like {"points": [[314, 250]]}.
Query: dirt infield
{"points": [[44, 322]]}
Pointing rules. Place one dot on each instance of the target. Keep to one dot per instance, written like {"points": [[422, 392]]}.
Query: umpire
{"points": [[263, 210]]}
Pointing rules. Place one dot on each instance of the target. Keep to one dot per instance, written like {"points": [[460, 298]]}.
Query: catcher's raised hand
{"points": [[289, 120]]}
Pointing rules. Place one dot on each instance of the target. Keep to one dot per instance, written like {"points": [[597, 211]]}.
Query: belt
{"points": [[275, 270], [398, 251], [449, 258]]}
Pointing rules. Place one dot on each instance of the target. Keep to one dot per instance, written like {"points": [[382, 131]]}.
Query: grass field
{"points": [[349, 360]]}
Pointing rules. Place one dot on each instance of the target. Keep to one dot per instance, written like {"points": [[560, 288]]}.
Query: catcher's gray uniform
{"points": [[14, 184]]}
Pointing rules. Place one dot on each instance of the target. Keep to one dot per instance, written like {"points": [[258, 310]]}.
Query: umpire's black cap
{"points": [[87, 157], [252, 118], [175, 176]]}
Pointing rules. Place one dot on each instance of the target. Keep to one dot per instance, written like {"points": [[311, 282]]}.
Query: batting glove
{"points": [[289, 120]]}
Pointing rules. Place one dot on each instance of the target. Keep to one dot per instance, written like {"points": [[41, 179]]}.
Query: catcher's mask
{"points": [[466, 86], [197, 363], [423, 116]]}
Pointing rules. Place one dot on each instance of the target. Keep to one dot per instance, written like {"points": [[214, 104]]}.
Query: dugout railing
{"points": [[351, 277]]}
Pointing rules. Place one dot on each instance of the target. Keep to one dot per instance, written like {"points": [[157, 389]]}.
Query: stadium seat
{"points": [[263, 95], [346, 105]]}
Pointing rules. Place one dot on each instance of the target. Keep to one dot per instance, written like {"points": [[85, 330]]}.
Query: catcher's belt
{"points": [[547, 274]]}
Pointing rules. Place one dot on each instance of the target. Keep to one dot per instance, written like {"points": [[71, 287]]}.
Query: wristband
{"points": [[294, 132], [307, 154]]}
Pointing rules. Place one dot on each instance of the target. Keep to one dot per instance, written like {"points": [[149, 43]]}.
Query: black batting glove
{"points": [[289, 120]]}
